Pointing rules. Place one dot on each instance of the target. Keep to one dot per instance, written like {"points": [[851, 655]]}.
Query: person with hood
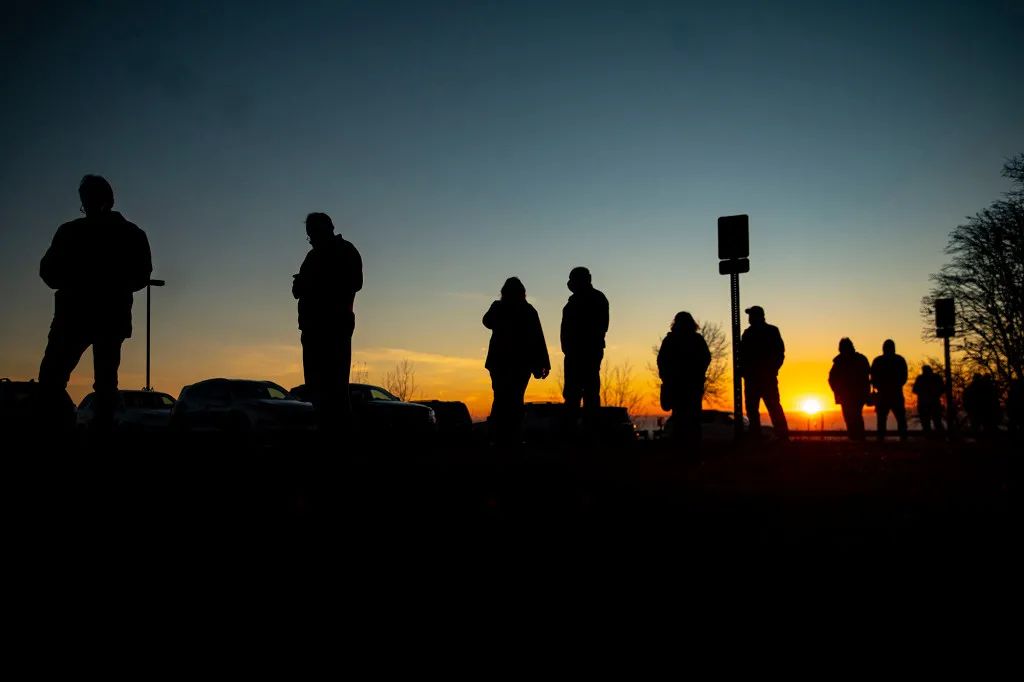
{"points": [[981, 402], [888, 375], [516, 350], [762, 353], [849, 379], [929, 387], [326, 287], [584, 325], [683, 361], [96, 264]]}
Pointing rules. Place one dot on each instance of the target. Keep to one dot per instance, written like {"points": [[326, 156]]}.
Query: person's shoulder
{"points": [[72, 225]]}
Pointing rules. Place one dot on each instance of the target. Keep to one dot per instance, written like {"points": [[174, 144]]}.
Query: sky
{"points": [[459, 143]]}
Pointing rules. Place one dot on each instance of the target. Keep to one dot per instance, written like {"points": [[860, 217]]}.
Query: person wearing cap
{"points": [[762, 353], [888, 375], [96, 264], [325, 287], [516, 350], [584, 325]]}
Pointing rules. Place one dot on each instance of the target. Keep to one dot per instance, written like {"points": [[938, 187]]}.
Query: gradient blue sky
{"points": [[458, 143]]}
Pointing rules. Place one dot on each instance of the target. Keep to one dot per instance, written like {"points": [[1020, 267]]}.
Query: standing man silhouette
{"points": [[683, 362], [762, 353], [929, 387], [584, 325], [96, 264], [326, 287], [850, 381], [516, 350], [888, 375]]}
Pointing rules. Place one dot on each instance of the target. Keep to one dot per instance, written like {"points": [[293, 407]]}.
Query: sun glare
{"points": [[811, 406]]}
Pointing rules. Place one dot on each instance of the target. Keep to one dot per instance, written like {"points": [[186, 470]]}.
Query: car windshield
{"points": [[255, 391], [381, 394]]}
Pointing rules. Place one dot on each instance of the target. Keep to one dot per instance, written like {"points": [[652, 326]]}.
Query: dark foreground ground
{"points": [[202, 523]]}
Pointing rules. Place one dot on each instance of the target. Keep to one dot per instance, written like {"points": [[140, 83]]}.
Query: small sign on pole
{"points": [[945, 327]]}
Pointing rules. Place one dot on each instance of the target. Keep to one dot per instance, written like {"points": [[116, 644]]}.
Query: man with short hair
{"points": [[584, 325], [326, 287], [762, 353], [96, 264], [888, 375]]}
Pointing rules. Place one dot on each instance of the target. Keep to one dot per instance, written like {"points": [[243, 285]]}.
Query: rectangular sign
{"points": [[735, 266], [945, 317], [733, 237]]}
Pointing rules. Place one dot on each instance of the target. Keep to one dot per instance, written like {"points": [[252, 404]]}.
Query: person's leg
{"points": [[591, 386], [64, 349], [572, 390], [313, 372], [899, 410], [106, 360], [517, 394], [857, 415], [503, 407], [753, 405], [881, 417], [925, 418], [773, 403]]}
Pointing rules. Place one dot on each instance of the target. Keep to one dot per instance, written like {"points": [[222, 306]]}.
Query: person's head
{"points": [[927, 369], [319, 228], [846, 346], [579, 279], [889, 347], [513, 290], [96, 195], [755, 313], [684, 323]]}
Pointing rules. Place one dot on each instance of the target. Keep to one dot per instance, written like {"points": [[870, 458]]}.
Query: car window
{"points": [[276, 393], [166, 401], [380, 394], [212, 392]]}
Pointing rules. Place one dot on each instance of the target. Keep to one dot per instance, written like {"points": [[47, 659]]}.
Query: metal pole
{"points": [[950, 410], [148, 293], [737, 383]]}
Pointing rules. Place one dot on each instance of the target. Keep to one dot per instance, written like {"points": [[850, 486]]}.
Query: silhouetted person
{"points": [[981, 402], [929, 388], [584, 324], [516, 350], [849, 380], [95, 263], [1015, 407], [683, 361], [762, 353], [326, 287], [888, 375]]}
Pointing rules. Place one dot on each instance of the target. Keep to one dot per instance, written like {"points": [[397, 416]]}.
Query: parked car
{"points": [[453, 419], [545, 420], [241, 406], [19, 408], [376, 412], [135, 411]]}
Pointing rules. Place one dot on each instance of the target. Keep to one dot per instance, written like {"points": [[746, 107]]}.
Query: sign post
{"points": [[733, 252], [945, 328], [152, 283]]}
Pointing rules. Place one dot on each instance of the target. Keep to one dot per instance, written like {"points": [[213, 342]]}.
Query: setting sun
{"points": [[811, 406]]}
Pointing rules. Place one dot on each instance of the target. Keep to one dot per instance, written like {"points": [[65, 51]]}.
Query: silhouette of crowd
{"points": [[97, 262]]}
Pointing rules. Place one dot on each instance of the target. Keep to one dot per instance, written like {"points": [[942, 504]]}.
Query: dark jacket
{"points": [[683, 361], [584, 322], [762, 351], [96, 263], [326, 285], [929, 388], [889, 374], [517, 340], [848, 378]]}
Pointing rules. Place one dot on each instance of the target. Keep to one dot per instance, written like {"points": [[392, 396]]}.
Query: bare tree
{"points": [[359, 373], [617, 386], [985, 278], [714, 380], [401, 381]]}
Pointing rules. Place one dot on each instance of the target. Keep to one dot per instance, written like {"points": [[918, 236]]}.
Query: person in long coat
{"points": [[849, 379], [683, 361], [516, 351]]}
